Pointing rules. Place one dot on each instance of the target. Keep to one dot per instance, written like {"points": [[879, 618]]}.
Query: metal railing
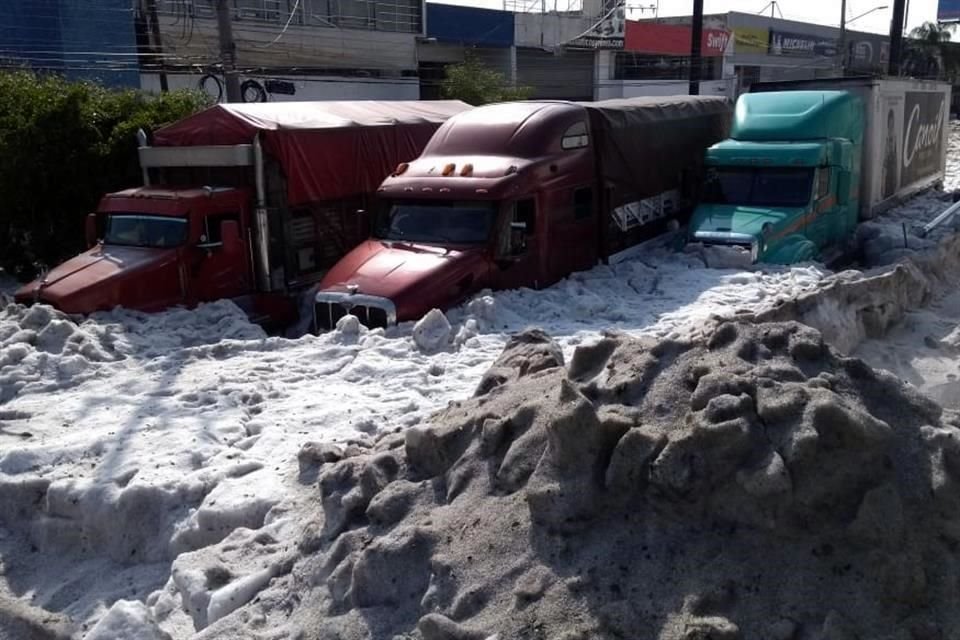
{"points": [[544, 6], [381, 15]]}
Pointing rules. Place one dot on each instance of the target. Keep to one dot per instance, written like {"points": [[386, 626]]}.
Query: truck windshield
{"points": [[453, 222], [760, 186], [138, 230]]}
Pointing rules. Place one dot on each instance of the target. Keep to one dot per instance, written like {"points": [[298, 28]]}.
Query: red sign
{"points": [[672, 39]]}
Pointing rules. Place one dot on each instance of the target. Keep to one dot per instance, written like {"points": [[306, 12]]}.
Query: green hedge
{"points": [[62, 145], [477, 84]]}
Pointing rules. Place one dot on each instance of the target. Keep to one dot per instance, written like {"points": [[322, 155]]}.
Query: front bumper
{"points": [[372, 311], [731, 238]]}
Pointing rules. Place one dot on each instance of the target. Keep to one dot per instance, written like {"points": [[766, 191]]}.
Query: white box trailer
{"points": [[905, 136]]}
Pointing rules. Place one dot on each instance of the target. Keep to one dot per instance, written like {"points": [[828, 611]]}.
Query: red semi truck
{"points": [[520, 195], [253, 202]]}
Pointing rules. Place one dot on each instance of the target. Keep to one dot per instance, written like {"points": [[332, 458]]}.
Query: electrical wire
{"points": [[293, 12]]}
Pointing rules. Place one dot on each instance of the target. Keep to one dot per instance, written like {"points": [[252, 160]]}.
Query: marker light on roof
{"points": [[401, 169], [467, 170], [449, 169]]}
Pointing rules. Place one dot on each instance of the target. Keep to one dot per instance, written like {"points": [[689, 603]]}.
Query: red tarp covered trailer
{"points": [[326, 150]]}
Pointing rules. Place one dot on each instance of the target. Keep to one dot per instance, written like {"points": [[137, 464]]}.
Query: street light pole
{"points": [[696, 38], [228, 51], [896, 37], [843, 37], [844, 50]]}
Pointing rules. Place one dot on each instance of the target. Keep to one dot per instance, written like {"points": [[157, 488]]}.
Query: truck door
{"points": [[823, 226], [516, 252], [216, 273], [573, 231]]}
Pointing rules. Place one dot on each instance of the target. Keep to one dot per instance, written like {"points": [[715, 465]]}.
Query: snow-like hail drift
{"points": [[149, 477]]}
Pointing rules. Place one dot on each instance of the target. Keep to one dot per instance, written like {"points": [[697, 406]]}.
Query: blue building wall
{"points": [[82, 39], [470, 25]]}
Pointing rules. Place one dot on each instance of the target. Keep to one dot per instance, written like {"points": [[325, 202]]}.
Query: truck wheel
{"points": [[805, 252]]}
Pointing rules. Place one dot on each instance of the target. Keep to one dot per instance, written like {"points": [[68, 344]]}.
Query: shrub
{"points": [[476, 84], [63, 145]]}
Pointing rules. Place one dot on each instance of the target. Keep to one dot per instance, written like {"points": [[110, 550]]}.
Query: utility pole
{"points": [[843, 37], [696, 38], [157, 43], [896, 37], [228, 51]]}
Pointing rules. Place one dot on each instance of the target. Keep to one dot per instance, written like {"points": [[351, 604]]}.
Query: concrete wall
{"points": [[303, 46], [307, 88], [548, 30], [606, 88], [609, 89]]}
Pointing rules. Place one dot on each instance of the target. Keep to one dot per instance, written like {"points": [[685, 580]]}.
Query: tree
{"points": [[63, 145], [924, 54], [476, 84]]}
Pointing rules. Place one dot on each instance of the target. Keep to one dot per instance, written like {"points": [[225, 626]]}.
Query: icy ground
{"points": [[149, 439]]}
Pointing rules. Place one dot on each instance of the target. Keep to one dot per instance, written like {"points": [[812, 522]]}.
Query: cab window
{"points": [[211, 228], [520, 228]]}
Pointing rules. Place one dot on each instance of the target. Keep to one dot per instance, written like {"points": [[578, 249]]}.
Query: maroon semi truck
{"points": [[253, 202], [521, 195]]}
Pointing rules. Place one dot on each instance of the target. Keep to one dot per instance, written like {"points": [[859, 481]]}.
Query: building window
{"points": [[641, 66]]}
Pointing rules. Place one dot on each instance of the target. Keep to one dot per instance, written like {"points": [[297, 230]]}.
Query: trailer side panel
{"points": [[647, 151]]}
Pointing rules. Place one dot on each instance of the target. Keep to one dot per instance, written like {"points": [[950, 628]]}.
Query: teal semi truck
{"points": [[806, 161]]}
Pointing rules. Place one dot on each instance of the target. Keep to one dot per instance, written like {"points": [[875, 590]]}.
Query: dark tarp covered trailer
{"points": [[646, 147], [644, 144], [326, 150]]}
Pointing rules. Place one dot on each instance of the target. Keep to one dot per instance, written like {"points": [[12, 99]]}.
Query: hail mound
{"points": [[750, 485]]}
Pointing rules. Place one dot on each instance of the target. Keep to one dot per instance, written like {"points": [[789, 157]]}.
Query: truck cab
{"points": [[152, 248], [784, 186], [502, 197]]}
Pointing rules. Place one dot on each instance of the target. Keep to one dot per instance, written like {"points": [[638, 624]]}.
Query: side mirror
{"points": [[90, 229], [230, 235], [843, 188]]}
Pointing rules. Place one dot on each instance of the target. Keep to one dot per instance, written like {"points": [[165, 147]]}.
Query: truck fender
{"points": [[792, 250]]}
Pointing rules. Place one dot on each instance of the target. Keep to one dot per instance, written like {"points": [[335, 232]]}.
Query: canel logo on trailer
{"points": [[920, 136]]}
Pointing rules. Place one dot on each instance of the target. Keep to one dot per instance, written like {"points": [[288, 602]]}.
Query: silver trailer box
{"points": [[905, 138]]}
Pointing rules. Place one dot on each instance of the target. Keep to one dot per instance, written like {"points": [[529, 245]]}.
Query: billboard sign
{"points": [[948, 11], [868, 52], [922, 141], [751, 39], [911, 139], [606, 34], [673, 39], [788, 43]]}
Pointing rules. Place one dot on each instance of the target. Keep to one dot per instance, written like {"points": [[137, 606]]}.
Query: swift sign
{"points": [[673, 39]]}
